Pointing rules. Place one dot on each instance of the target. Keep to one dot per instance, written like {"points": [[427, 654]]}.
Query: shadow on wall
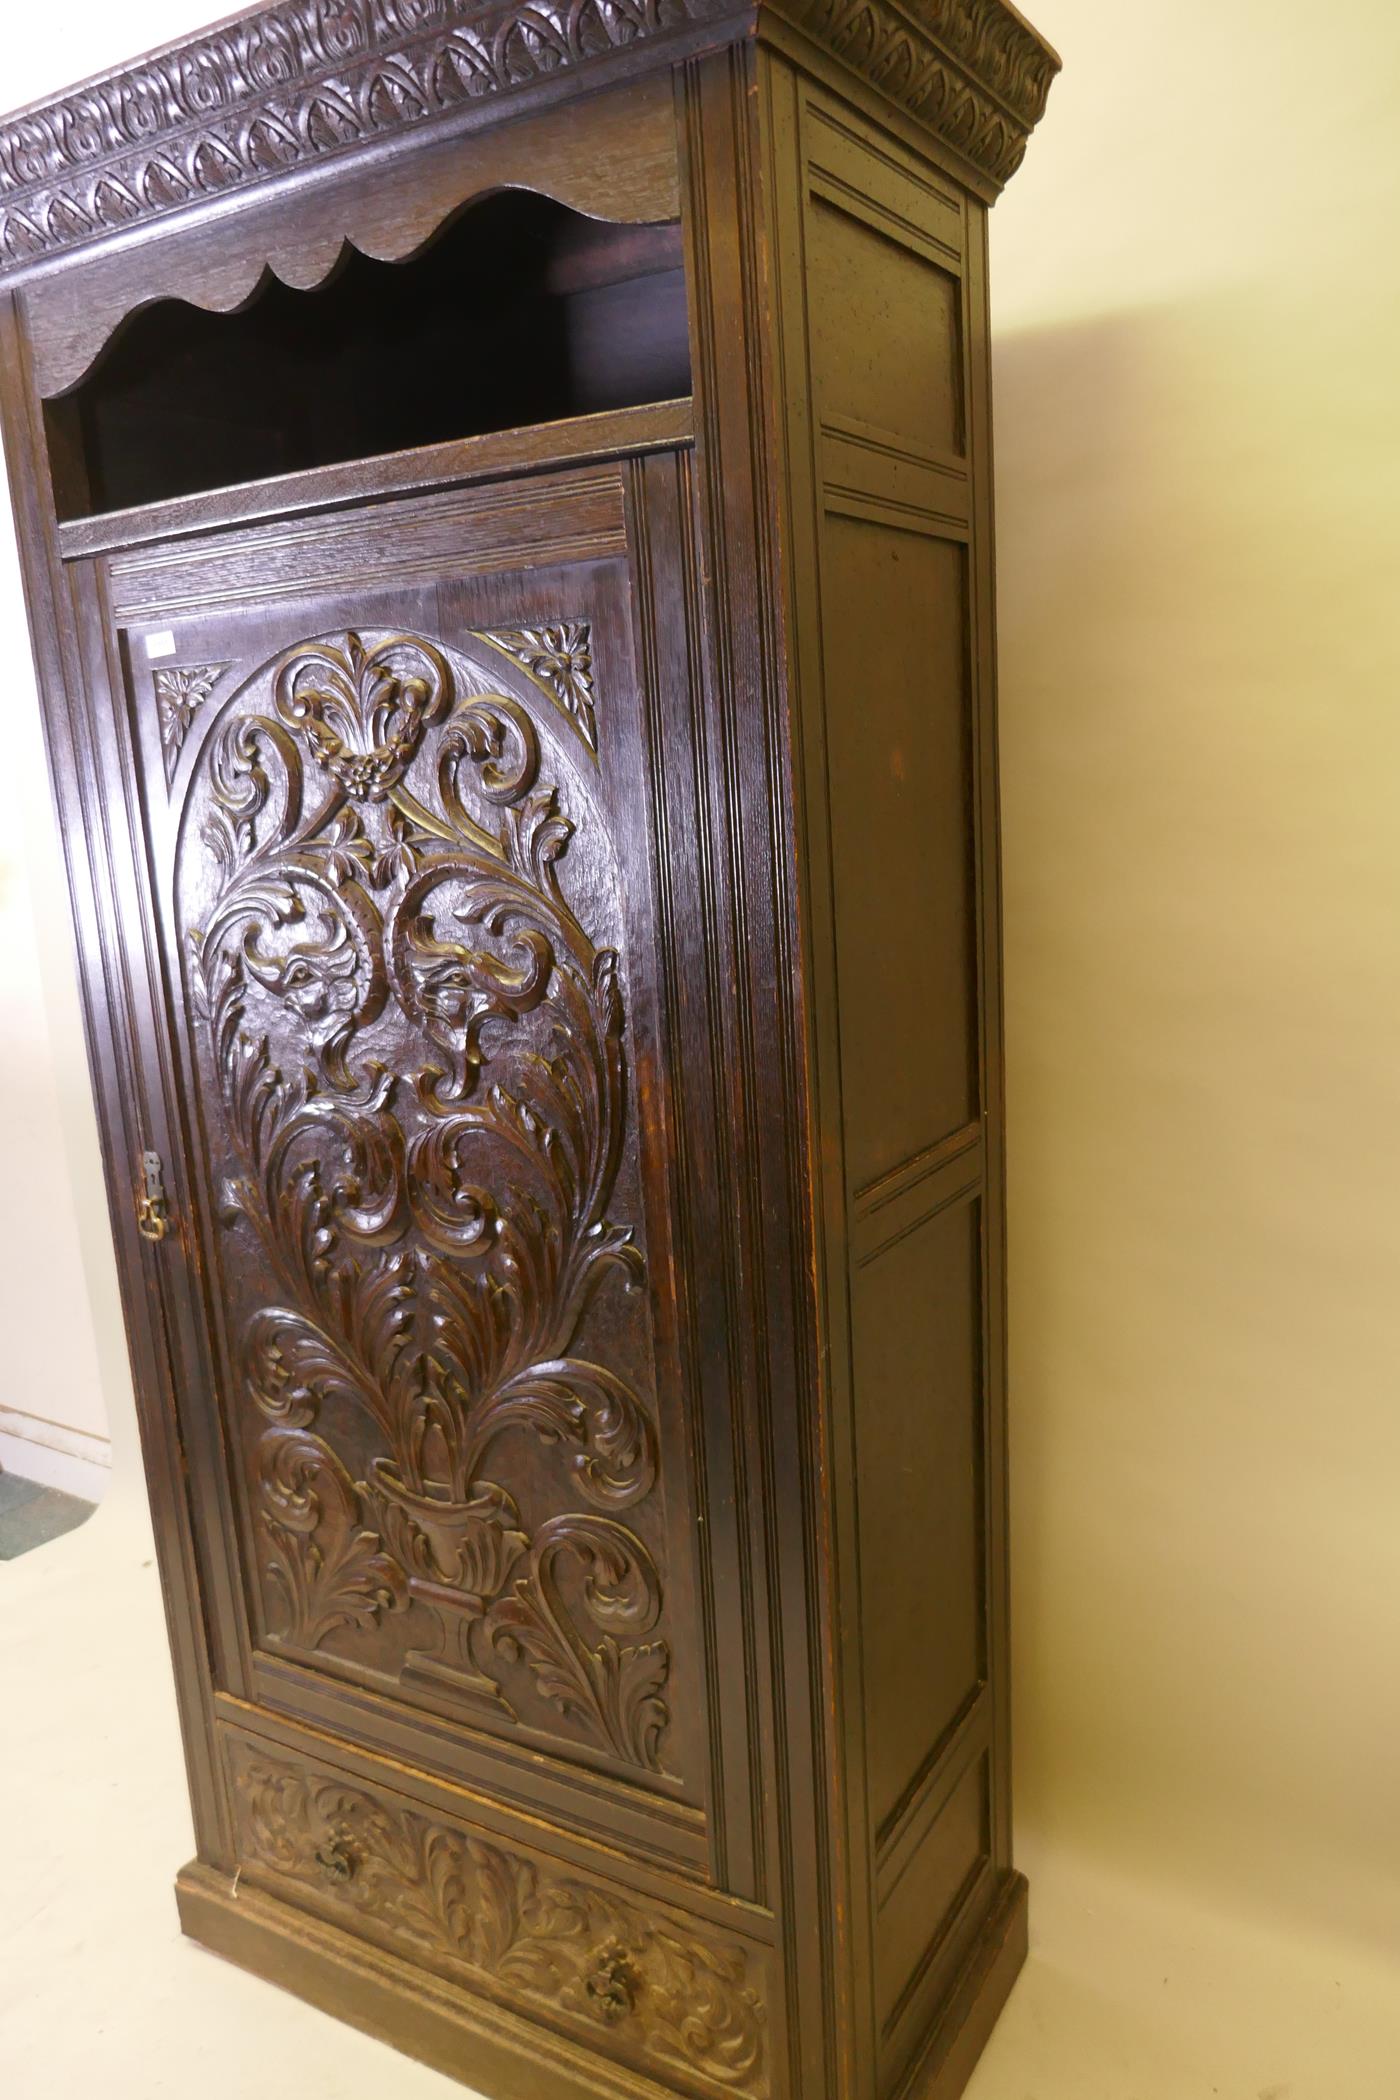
{"points": [[1197, 512]]}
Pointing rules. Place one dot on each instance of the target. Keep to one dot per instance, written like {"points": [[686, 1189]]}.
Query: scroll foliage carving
{"points": [[419, 1053], [586, 1957], [330, 1570]]}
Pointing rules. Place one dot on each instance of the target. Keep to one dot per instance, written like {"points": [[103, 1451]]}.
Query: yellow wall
{"points": [[1197, 310]]}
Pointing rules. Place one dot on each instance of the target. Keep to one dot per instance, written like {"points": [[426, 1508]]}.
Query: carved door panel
{"points": [[401, 870]]}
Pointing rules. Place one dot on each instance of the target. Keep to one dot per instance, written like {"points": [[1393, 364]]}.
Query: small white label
{"points": [[162, 644]]}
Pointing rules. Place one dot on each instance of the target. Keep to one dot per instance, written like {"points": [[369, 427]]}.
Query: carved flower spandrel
{"points": [[659, 1993], [179, 691], [419, 1056], [561, 658]]}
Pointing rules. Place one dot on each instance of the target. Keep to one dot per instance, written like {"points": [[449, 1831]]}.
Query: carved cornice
{"points": [[285, 87], [295, 83], [973, 72]]}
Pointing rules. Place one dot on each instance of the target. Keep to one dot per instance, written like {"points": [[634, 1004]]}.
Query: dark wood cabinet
{"points": [[505, 501]]}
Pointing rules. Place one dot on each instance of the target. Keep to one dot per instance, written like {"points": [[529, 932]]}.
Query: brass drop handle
{"points": [[335, 1859], [152, 1218], [613, 1985]]}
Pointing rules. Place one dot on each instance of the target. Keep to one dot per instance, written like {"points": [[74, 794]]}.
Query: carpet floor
{"points": [[31, 1515]]}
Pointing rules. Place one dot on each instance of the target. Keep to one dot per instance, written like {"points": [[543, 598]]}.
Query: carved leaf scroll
{"points": [[420, 1058], [585, 1957], [330, 1569]]}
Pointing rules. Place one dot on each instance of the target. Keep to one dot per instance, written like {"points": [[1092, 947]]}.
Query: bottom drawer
{"points": [[639, 1983]]}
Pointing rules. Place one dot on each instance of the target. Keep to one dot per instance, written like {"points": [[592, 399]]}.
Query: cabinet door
{"points": [[395, 800]]}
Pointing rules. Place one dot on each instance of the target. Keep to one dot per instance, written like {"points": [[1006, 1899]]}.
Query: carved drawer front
{"points": [[659, 1992]]}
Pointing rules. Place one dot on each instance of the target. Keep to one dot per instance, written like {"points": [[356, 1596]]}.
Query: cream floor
{"points": [[1126, 1997]]}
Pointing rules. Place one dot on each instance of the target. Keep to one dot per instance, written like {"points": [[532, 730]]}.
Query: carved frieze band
{"points": [[284, 87], [974, 74], [295, 83], [626, 1980]]}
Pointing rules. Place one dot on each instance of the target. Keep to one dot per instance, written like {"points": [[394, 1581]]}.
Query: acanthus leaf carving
{"points": [[331, 1571], [379, 844], [612, 1687]]}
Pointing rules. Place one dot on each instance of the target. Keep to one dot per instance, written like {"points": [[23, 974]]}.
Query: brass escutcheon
{"points": [[152, 1221]]}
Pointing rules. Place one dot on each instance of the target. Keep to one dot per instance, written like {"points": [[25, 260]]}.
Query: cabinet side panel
{"points": [[918, 1379], [899, 732], [885, 326], [891, 574]]}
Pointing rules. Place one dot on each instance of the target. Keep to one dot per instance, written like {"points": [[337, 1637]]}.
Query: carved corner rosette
{"points": [[589, 1959], [291, 85], [378, 843]]}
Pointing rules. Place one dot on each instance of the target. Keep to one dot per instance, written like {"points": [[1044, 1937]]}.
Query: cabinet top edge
{"points": [[265, 94]]}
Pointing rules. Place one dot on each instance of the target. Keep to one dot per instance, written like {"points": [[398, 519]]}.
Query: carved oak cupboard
{"points": [[504, 492]]}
